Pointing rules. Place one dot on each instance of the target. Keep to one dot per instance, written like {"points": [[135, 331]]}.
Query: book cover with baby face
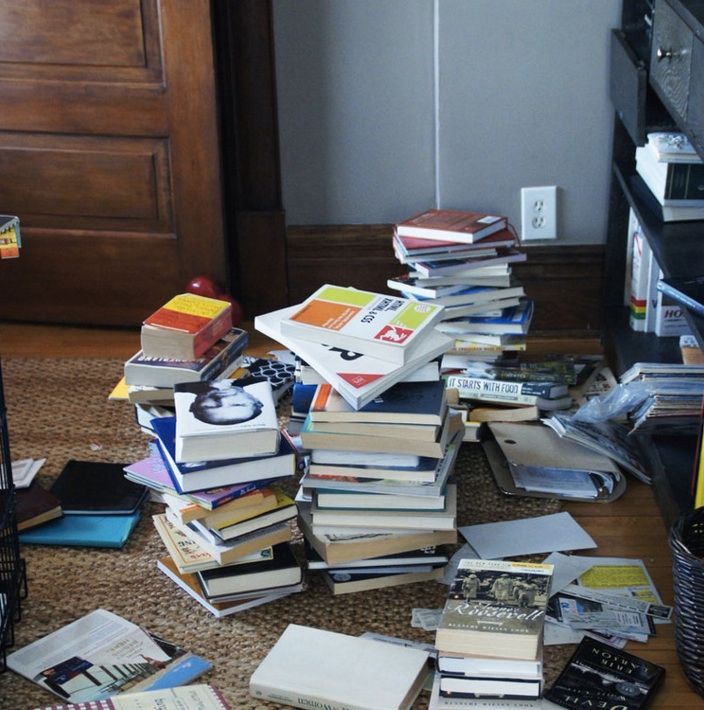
{"points": [[224, 406]]}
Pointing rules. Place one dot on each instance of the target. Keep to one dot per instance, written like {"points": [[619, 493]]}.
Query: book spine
{"points": [[638, 291], [284, 696], [502, 390], [685, 181]]}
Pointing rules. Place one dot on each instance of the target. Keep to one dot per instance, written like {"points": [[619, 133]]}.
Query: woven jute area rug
{"points": [[59, 409]]}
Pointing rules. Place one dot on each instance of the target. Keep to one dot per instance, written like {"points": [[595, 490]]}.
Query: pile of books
{"points": [[375, 504], [462, 260], [674, 174], [490, 636], [214, 462]]}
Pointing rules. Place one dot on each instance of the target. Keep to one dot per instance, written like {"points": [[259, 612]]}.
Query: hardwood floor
{"points": [[629, 527]]}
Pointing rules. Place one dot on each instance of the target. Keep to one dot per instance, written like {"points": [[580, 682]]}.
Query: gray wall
{"points": [[387, 107]]}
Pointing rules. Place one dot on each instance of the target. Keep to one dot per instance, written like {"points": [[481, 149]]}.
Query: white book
{"points": [[639, 280], [358, 378], [226, 419], [314, 668], [386, 327]]}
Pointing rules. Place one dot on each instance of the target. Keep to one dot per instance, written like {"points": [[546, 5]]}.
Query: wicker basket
{"points": [[687, 544]]}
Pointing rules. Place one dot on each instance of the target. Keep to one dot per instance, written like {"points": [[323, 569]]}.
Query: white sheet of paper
{"points": [[566, 568], [546, 533]]}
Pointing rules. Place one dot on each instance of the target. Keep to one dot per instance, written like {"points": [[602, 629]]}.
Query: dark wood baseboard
{"points": [[564, 280]]}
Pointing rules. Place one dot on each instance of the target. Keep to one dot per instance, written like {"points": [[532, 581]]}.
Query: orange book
{"points": [[185, 327]]}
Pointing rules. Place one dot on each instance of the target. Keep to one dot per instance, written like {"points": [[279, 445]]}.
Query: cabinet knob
{"points": [[664, 54]]}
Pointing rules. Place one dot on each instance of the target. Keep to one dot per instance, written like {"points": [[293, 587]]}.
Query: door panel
{"points": [[109, 154]]}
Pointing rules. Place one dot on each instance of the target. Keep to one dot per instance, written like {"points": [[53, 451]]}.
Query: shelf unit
{"points": [[13, 579], [643, 105]]}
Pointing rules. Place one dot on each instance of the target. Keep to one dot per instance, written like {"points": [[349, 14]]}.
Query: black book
{"points": [[279, 570], [601, 676], [89, 487]]}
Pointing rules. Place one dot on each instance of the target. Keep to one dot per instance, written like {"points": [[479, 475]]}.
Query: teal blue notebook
{"points": [[83, 530]]}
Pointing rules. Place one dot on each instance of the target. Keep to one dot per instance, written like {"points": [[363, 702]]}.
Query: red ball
{"points": [[236, 308], [203, 286]]}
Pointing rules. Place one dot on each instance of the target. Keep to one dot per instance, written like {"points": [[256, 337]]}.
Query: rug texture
{"points": [[59, 409]]}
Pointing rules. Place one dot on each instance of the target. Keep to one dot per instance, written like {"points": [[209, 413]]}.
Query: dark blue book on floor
{"points": [[83, 531]]}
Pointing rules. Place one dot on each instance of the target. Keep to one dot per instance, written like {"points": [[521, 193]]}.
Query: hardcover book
{"points": [[226, 419], [310, 667], [357, 377], [165, 372], [386, 327], [495, 608], [599, 675], [280, 570], [35, 505], [102, 654], [451, 225], [90, 487], [204, 480], [185, 327]]}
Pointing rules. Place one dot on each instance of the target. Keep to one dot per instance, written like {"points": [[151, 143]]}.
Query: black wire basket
{"points": [[687, 545]]}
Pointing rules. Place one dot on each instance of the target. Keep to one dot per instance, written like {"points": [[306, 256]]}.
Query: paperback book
{"points": [[164, 372], [226, 419], [102, 654], [513, 321], [495, 608], [599, 675], [386, 327], [185, 327], [466, 226]]}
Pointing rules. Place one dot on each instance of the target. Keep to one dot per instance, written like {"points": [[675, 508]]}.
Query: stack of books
{"points": [[489, 639], [223, 452], [674, 174], [381, 474], [462, 260], [381, 439]]}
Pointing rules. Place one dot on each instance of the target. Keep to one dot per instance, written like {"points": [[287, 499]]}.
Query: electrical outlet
{"points": [[539, 212]]}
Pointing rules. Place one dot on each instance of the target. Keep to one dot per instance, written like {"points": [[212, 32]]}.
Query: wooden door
{"points": [[109, 154]]}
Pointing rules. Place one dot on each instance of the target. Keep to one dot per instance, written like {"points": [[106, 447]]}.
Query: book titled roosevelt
{"points": [[495, 608], [382, 326]]}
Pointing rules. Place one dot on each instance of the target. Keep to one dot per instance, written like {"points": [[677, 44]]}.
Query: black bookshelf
{"points": [[13, 580]]}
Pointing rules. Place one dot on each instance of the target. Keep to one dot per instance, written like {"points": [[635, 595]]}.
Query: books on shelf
{"points": [[225, 419], [495, 608], [102, 654], [451, 225], [185, 327], [240, 475], [166, 372], [386, 327], [638, 274], [310, 667], [599, 674], [356, 376], [687, 291]]}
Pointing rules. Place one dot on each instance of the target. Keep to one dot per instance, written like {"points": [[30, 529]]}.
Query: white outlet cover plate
{"points": [[539, 212]]}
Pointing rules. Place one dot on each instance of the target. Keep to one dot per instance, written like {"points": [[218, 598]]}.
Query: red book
{"points": [[451, 225], [185, 327]]}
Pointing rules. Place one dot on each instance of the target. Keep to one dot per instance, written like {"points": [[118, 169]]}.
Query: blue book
{"points": [[201, 475], [83, 531], [513, 321]]}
